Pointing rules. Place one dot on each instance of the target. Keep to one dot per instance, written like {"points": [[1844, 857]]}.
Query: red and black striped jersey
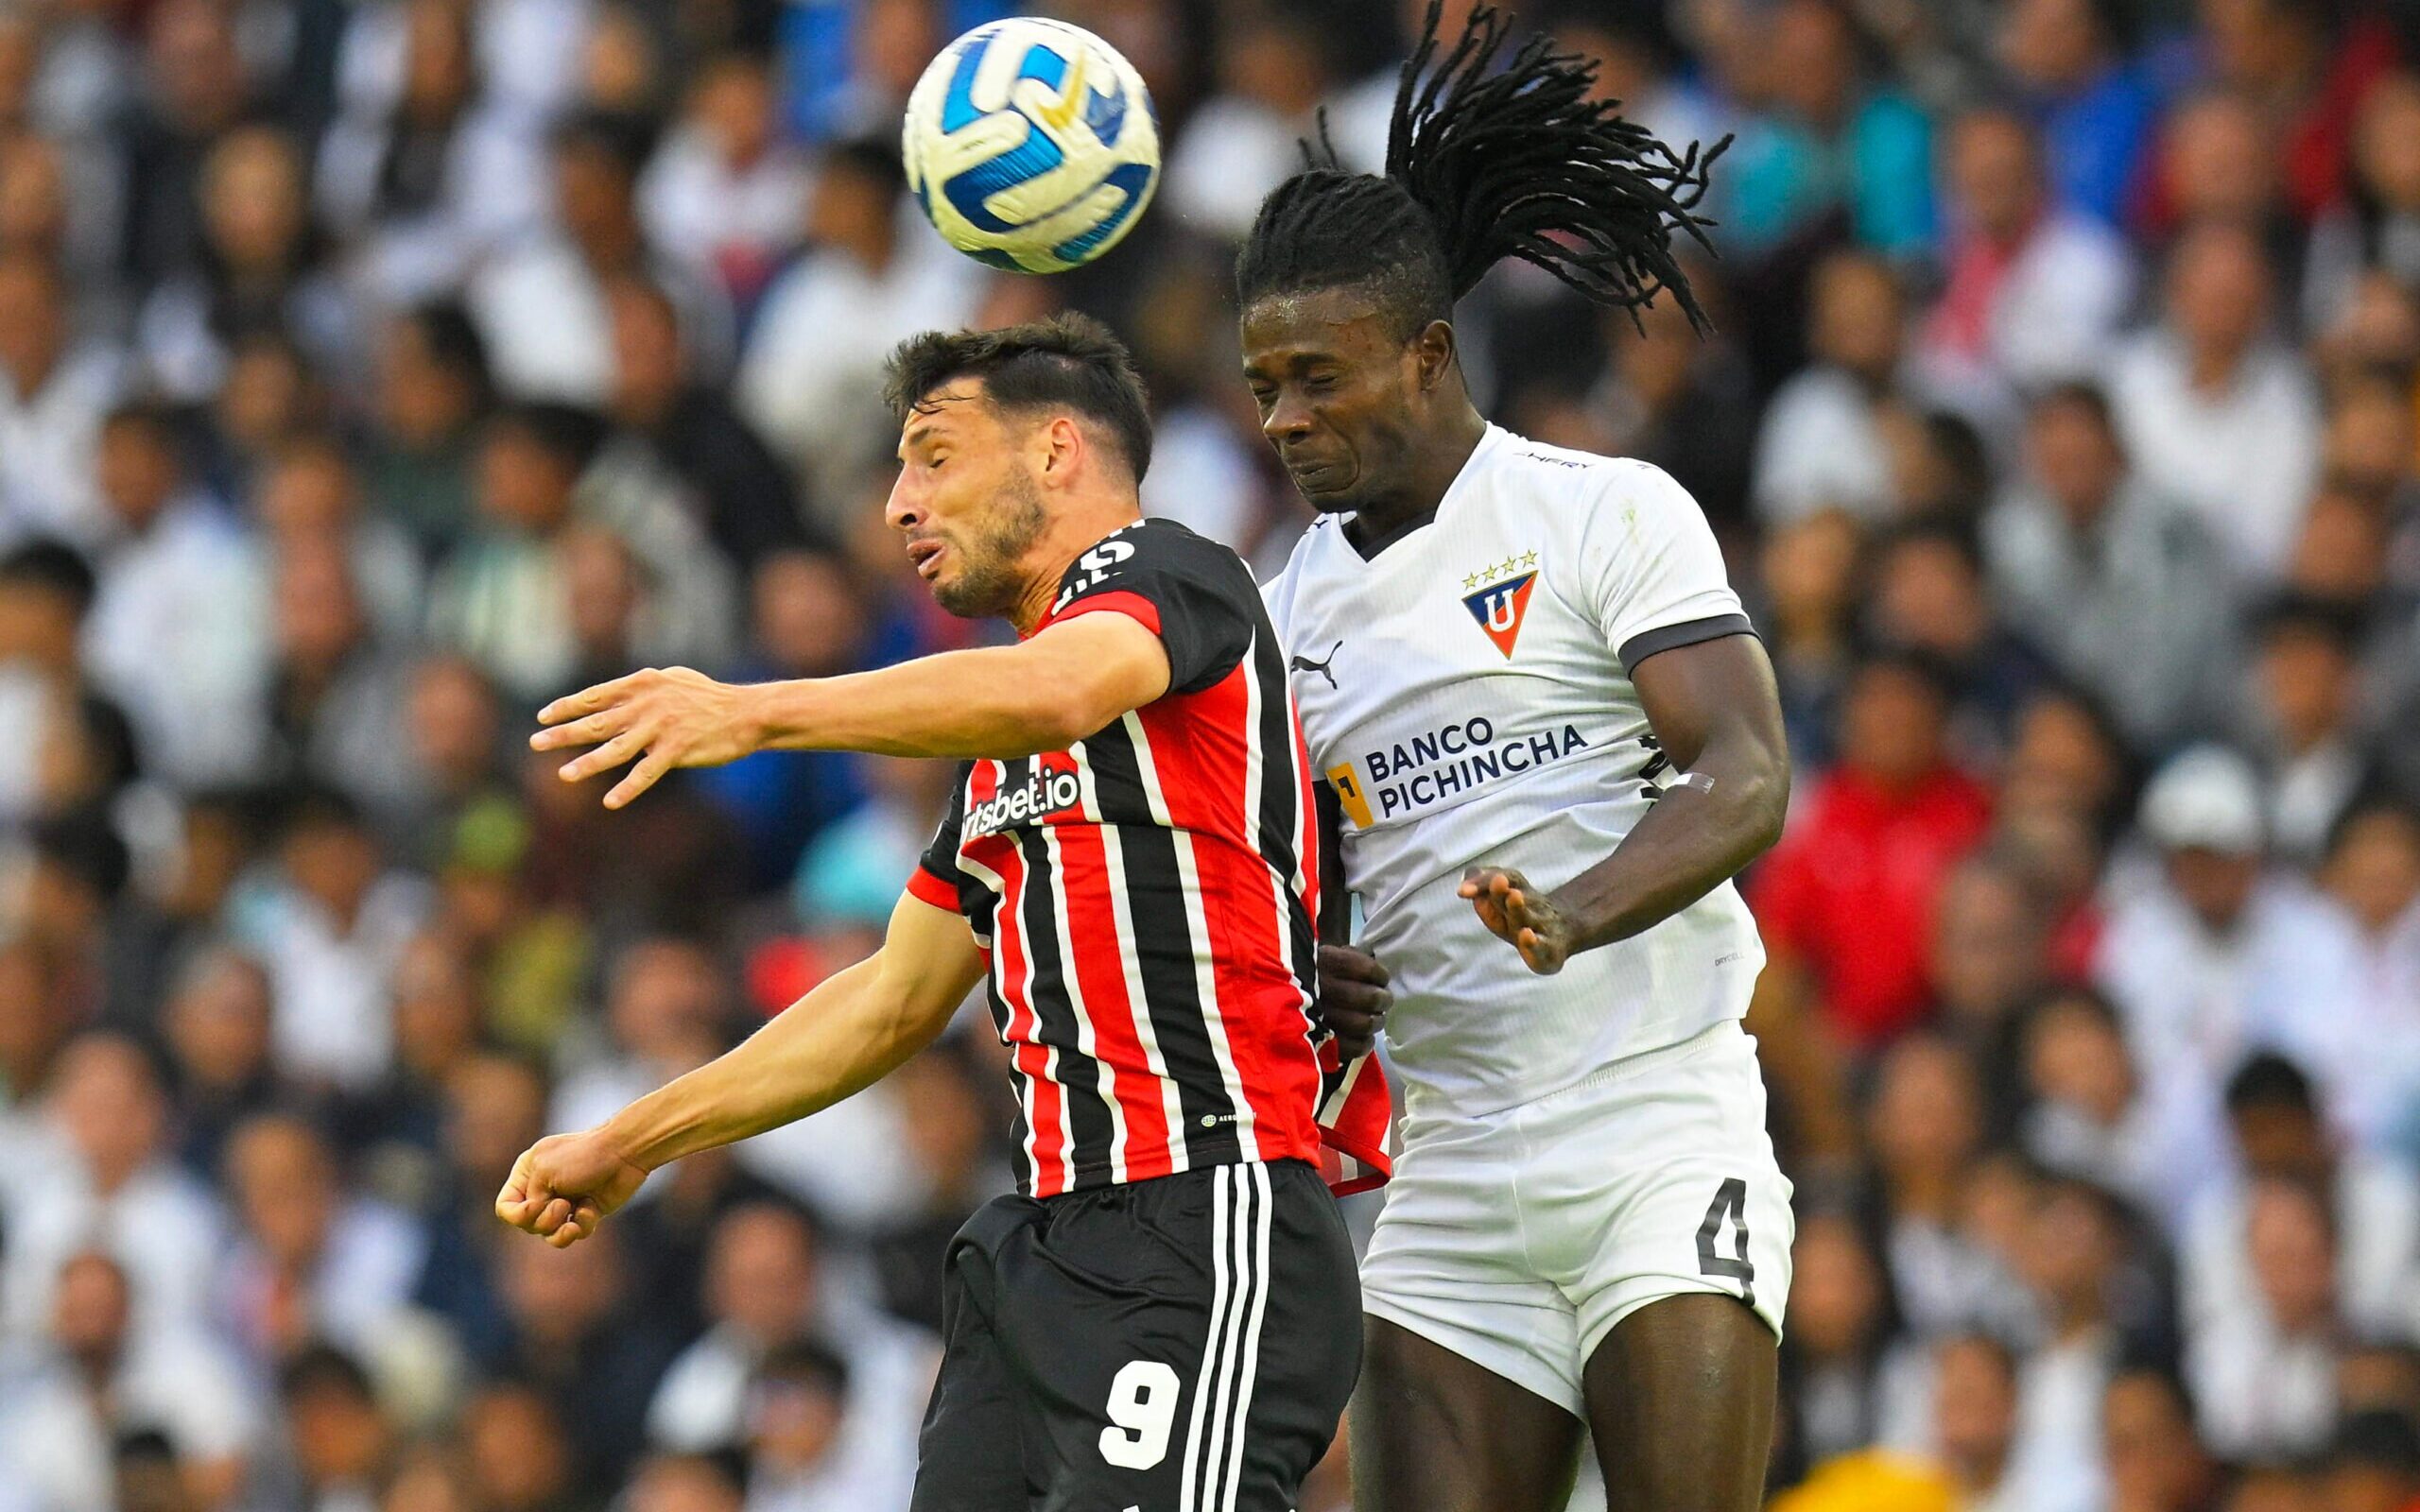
{"points": [[1148, 895]]}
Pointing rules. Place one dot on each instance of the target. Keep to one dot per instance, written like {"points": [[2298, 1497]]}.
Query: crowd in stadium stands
{"points": [[372, 371]]}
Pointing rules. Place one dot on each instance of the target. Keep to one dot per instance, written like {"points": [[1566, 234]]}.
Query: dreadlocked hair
{"points": [[1485, 164]]}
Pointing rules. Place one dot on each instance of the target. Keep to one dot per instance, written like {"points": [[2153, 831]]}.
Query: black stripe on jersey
{"points": [[1088, 1130], [1280, 821], [1020, 1088], [1163, 955]]}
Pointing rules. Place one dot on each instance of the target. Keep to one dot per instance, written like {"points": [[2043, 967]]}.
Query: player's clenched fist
{"points": [[660, 718], [1354, 999], [1520, 914], [564, 1185]]}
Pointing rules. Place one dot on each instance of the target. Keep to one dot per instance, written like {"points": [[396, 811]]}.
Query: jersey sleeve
{"points": [[1197, 596], [1655, 574], [937, 877]]}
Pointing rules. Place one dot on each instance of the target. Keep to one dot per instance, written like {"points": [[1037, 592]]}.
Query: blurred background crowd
{"points": [[372, 371]]}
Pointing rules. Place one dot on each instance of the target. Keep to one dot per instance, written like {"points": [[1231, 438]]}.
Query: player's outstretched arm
{"points": [[849, 1033], [1714, 707], [1043, 693]]}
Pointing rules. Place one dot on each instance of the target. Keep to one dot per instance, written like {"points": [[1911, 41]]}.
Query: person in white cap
{"points": [[2200, 939]]}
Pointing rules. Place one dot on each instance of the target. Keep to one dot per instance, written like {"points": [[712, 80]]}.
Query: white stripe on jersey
{"points": [[1205, 976], [1121, 910], [1087, 1040]]}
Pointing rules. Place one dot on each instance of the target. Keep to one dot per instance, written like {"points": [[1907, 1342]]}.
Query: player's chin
{"points": [[1331, 487]]}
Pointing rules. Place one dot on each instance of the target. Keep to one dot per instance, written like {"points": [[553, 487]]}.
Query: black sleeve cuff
{"points": [[1672, 637]]}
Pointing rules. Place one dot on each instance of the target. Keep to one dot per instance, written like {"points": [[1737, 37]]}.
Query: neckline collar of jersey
{"points": [[1488, 439]]}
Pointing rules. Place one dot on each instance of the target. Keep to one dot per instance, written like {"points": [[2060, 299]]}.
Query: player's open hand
{"points": [[1521, 915], [566, 1184], [659, 718], [1354, 999]]}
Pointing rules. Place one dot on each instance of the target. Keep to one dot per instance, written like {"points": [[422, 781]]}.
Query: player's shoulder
{"points": [[1153, 545], [1554, 476], [1564, 488]]}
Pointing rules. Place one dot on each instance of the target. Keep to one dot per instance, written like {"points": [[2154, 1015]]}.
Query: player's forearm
{"points": [[841, 1039], [1696, 837], [983, 703]]}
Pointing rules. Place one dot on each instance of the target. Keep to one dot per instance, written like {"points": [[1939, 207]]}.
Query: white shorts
{"points": [[1518, 1240]]}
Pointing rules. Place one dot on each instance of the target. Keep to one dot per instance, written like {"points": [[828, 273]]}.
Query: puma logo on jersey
{"points": [[1499, 605], [1303, 663]]}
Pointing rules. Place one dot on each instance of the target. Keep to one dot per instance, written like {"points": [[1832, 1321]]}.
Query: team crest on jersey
{"points": [[1497, 596]]}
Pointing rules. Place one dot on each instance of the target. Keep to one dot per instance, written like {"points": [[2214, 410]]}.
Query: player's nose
{"points": [[904, 509], [1289, 420]]}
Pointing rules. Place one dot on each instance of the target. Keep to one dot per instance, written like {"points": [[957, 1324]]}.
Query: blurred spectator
{"points": [[2097, 109], [343, 1441], [542, 305], [1821, 445], [725, 191], [53, 396], [179, 631], [869, 277], [418, 168], [1851, 1375], [2308, 72], [1271, 75], [1974, 1423], [2376, 222], [432, 387], [106, 1177], [219, 1024], [1845, 900], [2122, 589], [1833, 151], [101, 1371], [523, 597], [311, 1261], [579, 1341], [747, 504], [2189, 941], [2033, 291], [767, 1292], [2370, 1209], [797, 1410], [1928, 595], [257, 270], [2306, 724], [2265, 1373], [330, 924], [2157, 1460], [2212, 408]]}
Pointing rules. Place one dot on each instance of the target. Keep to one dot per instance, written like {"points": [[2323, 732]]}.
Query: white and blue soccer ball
{"points": [[1031, 145]]}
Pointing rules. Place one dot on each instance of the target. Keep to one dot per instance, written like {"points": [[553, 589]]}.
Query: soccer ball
{"points": [[1031, 145]]}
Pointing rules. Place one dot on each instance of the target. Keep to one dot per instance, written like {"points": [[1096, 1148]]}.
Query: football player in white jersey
{"points": [[1552, 739]]}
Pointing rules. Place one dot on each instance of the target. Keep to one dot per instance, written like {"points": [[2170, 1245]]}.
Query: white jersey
{"points": [[1465, 696]]}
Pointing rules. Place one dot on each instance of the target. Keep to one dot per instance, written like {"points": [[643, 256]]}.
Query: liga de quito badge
{"points": [[1497, 596]]}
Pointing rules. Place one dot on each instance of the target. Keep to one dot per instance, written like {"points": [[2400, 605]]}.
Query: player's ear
{"points": [[1432, 353], [1059, 445]]}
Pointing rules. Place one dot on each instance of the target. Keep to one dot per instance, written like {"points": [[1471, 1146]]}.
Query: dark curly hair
{"points": [[1485, 164]]}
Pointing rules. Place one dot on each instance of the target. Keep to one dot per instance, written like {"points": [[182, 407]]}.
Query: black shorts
{"points": [[1178, 1344]]}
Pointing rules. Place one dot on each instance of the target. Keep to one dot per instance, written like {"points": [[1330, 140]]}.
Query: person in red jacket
{"points": [[1845, 900]]}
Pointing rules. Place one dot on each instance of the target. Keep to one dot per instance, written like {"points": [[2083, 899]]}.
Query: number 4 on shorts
{"points": [[1731, 1204]]}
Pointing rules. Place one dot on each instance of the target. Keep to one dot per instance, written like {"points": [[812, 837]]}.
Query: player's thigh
{"points": [[1681, 1407], [1187, 1344], [1689, 1200], [970, 1451], [1433, 1431]]}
